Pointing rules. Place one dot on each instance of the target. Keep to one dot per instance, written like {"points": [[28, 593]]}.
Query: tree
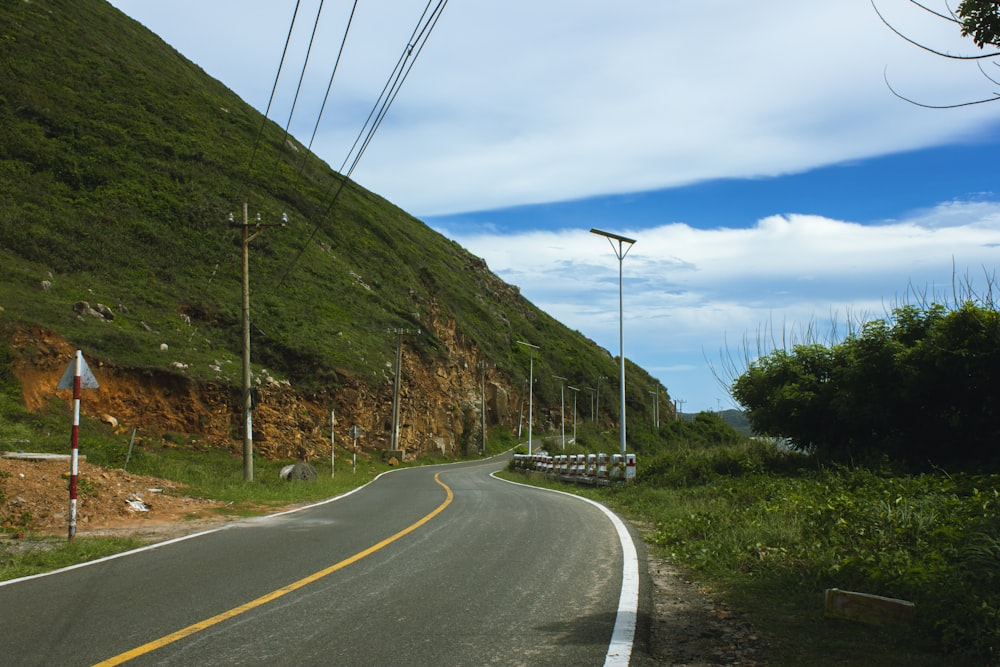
{"points": [[921, 387], [981, 20]]}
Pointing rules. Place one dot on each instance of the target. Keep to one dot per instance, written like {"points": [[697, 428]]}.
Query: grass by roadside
{"points": [[768, 532]]}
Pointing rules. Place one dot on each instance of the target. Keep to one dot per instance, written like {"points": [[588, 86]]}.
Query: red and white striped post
{"points": [[74, 462], [81, 377]]}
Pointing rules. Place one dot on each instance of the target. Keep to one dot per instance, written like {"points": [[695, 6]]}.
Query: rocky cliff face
{"points": [[439, 402]]}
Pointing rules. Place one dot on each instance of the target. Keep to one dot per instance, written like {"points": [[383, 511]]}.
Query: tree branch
{"points": [[943, 54]]}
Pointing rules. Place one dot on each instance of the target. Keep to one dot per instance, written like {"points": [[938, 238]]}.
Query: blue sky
{"points": [[777, 188]]}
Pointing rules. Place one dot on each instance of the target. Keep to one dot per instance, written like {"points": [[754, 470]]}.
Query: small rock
{"points": [[299, 471]]}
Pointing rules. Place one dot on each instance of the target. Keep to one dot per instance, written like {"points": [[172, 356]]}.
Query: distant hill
{"points": [[735, 418], [120, 162]]}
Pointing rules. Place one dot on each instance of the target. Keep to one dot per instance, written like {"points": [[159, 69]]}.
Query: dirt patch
{"points": [[34, 500], [690, 629]]}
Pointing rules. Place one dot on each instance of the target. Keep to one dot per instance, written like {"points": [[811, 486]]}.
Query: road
{"points": [[440, 565]]}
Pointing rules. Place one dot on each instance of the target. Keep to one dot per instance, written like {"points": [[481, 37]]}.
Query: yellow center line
{"points": [[274, 595]]}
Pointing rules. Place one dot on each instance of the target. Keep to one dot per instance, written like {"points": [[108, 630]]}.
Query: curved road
{"points": [[439, 565]]}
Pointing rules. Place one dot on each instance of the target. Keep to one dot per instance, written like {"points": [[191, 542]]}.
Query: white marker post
{"points": [[355, 433], [333, 444], [76, 377]]}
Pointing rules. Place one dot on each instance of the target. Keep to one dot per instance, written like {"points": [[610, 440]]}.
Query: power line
{"points": [[418, 38], [329, 85], [270, 101], [298, 87]]}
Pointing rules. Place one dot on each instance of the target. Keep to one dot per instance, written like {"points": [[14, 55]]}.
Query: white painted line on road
{"points": [[623, 635]]}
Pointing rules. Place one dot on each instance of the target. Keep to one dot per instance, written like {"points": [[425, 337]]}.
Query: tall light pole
{"points": [[597, 396], [531, 383], [562, 407], [575, 393], [620, 253], [656, 406], [247, 395]]}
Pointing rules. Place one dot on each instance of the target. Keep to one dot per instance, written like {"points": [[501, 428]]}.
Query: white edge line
{"points": [[623, 635]]}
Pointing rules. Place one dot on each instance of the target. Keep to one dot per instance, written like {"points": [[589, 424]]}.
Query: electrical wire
{"points": [[418, 38], [298, 88], [329, 85], [270, 101]]}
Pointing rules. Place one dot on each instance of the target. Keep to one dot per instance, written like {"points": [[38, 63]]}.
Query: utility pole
{"points": [[394, 441], [247, 396], [482, 366], [520, 410]]}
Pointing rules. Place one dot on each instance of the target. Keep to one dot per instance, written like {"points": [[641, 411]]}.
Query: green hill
{"points": [[120, 162]]}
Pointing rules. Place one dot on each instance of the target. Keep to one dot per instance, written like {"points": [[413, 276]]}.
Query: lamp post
{"points": [[575, 393], [531, 383], [656, 407], [562, 407], [620, 252], [247, 395], [597, 399]]}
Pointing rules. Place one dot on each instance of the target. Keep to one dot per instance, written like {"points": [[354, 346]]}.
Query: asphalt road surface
{"points": [[440, 565]]}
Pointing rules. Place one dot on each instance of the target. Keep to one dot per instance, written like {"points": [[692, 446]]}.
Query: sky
{"points": [[777, 188]]}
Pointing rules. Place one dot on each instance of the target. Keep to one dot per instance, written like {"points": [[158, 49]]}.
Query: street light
{"points": [[656, 406], [575, 393], [620, 253], [597, 414], [562, 407], [531, 382]]}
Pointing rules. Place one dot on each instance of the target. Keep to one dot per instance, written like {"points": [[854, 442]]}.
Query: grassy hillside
{"points": [[120, 162]]}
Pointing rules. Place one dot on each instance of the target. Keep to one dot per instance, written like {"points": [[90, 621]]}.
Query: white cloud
{"points": [[693, 294], [515, 102]]}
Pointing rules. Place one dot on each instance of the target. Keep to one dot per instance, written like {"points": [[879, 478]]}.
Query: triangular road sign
{"points": [[87, 379]]}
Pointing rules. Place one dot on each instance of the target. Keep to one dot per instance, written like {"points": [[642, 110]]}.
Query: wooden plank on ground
{"points": [[39, 456], [867, 608]]}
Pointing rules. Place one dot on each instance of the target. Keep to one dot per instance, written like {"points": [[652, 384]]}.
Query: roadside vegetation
{"points": [[879, 476], [768, 530]]}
